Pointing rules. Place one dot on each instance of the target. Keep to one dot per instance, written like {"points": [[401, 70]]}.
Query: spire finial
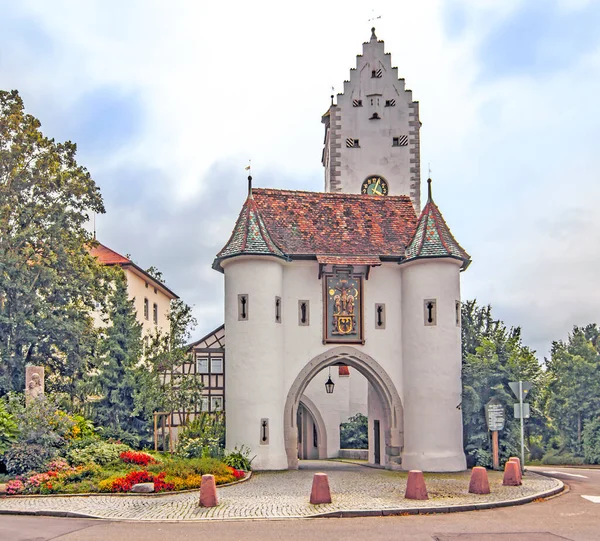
{"points": [[247, 168], [429, 198], [373, 36]]}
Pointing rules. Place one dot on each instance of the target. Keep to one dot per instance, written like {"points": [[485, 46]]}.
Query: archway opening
{"points": [[385, 407]]}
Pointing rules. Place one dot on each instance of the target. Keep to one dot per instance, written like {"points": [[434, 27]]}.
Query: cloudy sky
{"points": [[167, 101]]}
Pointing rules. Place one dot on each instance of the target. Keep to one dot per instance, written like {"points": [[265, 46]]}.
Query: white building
{"points": [[348, 277]]}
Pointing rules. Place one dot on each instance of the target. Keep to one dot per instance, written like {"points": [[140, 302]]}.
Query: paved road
{"points": [[563, 517]]}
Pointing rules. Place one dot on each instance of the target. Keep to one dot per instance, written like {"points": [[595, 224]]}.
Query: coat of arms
{"points": [[343, 308]]}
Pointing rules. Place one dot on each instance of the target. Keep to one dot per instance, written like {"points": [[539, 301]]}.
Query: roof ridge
{"points": [[401, 197]]}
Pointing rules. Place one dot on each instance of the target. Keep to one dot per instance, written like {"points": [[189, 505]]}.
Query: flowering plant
{"points": [[15, 486], [133, 457], [124, 484]]}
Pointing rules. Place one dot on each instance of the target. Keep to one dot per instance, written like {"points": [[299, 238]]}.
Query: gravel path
{"points": [[286, 494]]}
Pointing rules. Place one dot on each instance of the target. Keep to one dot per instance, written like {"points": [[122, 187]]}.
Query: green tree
{"points": [[48, 280], [573, 394], [123, 408], [492, 356], [354, 434], [178, 388]]}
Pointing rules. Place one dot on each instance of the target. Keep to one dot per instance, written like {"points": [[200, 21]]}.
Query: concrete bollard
{"points": [[415, 486], [320, 492], [512, 474], [479, 481], [518, 461], [208, 491]]}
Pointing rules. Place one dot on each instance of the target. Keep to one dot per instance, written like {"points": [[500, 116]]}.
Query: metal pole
{"points": [[522, 428]]}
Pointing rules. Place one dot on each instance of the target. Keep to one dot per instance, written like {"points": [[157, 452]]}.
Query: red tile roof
{"points": [[433, 238], [106, 256], [311, 223]]}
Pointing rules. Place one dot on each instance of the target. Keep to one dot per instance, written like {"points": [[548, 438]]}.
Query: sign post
{"points": [[494, 416], [520, 389]]}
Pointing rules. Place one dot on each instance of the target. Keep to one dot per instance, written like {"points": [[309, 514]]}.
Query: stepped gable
{"points": [[250, 236], [335, 228], [433, 238]]}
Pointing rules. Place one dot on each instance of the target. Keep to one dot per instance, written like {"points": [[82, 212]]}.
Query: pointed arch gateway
{"points": [[380, 382]]}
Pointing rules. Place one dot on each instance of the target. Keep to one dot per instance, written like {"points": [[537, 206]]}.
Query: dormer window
{"points": [[356, 103]]}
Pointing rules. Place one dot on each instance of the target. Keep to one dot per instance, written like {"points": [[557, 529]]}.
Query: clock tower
{"points": [[372, 132]]}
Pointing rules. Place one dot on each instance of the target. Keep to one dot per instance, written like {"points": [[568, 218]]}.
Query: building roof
{"points": [[250, 236], [336, 227], [109, 257], [433, 238]]}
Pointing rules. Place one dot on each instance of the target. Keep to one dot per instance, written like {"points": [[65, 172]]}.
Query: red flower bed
{"points": [[133, 457], [238, 474], [124, 484]]}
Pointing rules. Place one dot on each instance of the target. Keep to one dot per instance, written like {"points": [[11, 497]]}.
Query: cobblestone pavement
{"points": [[286, 494]]}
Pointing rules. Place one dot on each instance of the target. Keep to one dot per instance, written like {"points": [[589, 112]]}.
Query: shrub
{"points": [[23, 458], [557, 459], [8, 429], [591, 442], [239, 458], [203, 437], [354, 434], [15, 486], [133, 457], [99, 452]]}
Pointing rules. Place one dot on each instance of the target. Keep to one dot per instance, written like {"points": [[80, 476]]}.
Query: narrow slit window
{"points": [[155, 313], [242, 307], [380, 316], [457, 313], [146, 309], [278, 309], [430, 309], [303, 313]]}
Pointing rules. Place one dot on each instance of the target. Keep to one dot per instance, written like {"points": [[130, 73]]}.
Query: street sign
{"points": [[514, 387], [494, 415], [525, 410]]}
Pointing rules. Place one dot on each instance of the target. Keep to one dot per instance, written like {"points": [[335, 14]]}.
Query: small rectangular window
{"points": [[204, 403], [303, 313], [243, 307], [376, 74], [352, 143], [216, 365], [216, 403], [202, 365], [457, 313], [400, 141], [155, 313], [430, 312], [390, 103], [356, 103], [278, 309], [146, 285], [146, 309], [155, 290]]}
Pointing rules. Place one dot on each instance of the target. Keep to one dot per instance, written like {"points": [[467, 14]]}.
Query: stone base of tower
{"points": [[434, 461]]}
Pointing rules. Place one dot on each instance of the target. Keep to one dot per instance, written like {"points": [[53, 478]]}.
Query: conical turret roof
{"points": [[250, 236], [432, 238]]}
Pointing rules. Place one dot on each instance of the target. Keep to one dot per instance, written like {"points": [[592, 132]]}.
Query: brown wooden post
{"points": [[155, 431], [495, 453]]}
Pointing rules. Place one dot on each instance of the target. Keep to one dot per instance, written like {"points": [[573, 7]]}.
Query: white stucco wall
{"points": [[432, 368]]}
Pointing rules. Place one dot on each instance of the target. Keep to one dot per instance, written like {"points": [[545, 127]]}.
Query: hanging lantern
{"points": [[329, 385]]}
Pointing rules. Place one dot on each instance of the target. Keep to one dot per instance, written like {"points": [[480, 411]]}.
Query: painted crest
{"points": [[343, 308]]}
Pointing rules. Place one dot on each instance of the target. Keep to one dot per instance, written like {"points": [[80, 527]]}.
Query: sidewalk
{"points": [[355, 490]]}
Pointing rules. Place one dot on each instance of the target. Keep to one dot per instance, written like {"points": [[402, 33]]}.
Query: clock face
{"points": [[375, 185]]}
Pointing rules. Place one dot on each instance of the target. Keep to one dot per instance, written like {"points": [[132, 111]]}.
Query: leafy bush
{"points": [[591, 442], [98, 452], [354, 434], [557, 459], [239, 458], [8, 429], [23, 458], [203, 437]]}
